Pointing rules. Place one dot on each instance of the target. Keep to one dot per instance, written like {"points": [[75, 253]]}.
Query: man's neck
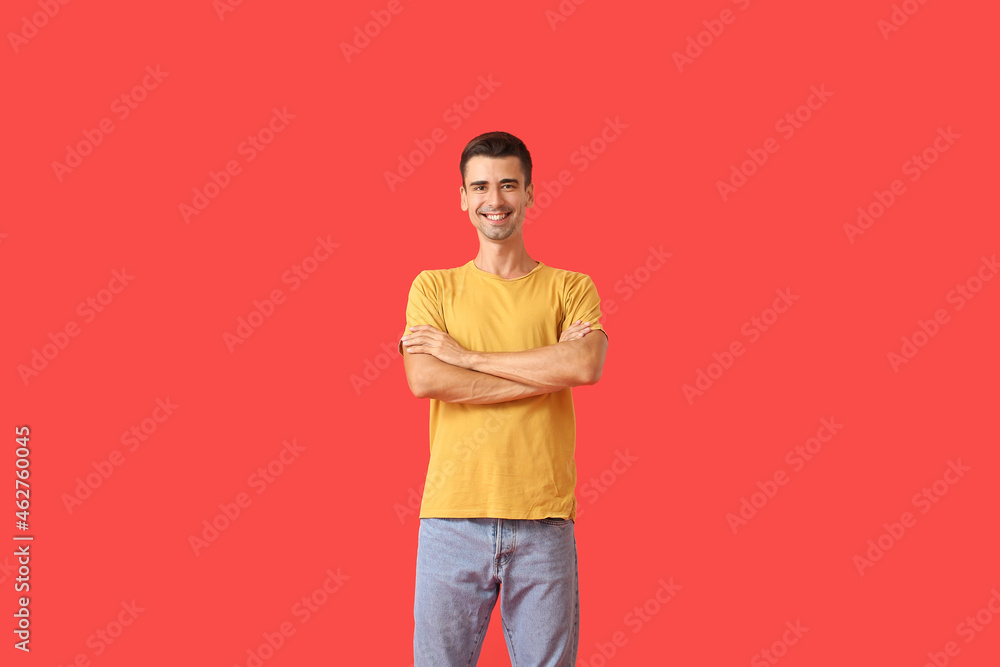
{"points": [[508, 263]]}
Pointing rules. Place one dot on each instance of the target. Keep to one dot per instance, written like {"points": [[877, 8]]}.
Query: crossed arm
{"points": [[438, 367]]}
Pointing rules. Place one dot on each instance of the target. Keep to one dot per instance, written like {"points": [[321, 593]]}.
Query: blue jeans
{"points": [[464, 565]]}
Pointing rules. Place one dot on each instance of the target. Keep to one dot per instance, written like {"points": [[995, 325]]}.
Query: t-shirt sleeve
{"points": [[581, 302], [423, 306]]}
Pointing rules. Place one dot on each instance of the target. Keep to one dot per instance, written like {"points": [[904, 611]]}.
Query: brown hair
{"points": [[496, 145]]}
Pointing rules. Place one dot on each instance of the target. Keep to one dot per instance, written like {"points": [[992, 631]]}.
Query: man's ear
{"points": [[530, 191], [461, 193]]}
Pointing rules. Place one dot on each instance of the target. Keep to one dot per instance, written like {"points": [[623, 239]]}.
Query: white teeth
{"points": [[499, 216]]}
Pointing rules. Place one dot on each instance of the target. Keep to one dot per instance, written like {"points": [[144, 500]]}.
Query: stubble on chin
{"points": [[495, 234]]}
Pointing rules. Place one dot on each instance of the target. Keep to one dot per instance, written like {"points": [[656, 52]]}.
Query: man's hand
{"points": [[577, 330], [427, 339]]}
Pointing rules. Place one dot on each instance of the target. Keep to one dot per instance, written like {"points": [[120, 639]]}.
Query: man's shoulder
{"points": [[438, 275], [560, 276], [567, 276]]}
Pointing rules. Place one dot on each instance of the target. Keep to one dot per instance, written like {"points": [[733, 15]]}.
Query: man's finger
{"points": [[413, 340], [575, 328], [420, 335]]}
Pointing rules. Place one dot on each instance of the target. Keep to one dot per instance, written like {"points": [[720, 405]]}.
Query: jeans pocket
{"points": [[554, 521]]}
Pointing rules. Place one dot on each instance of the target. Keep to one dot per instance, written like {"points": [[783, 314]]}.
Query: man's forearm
{"points": [[575, 360], [558, 365], [453, 384]]}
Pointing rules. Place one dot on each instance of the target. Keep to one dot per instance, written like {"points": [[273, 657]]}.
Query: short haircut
{"points": [[497, 145]]}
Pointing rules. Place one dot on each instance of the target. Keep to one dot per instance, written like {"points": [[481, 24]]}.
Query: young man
{"points": [[496, 345]]}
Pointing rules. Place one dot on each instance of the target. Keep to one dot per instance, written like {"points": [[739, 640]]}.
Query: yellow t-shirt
{"points": [[510, 460]]}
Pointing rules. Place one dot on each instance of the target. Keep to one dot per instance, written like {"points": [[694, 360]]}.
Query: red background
{"points": [[337, 505]]}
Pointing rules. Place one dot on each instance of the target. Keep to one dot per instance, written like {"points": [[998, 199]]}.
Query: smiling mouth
{"points": [[496, 217]]}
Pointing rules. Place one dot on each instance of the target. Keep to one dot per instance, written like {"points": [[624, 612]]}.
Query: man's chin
{"points": [[497, 234]]}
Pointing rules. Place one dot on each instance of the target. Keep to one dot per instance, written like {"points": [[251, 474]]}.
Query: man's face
{"points": [[495, 187]]}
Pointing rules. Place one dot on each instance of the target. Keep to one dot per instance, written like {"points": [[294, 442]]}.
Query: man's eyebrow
{"points": [[502, 181]]}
